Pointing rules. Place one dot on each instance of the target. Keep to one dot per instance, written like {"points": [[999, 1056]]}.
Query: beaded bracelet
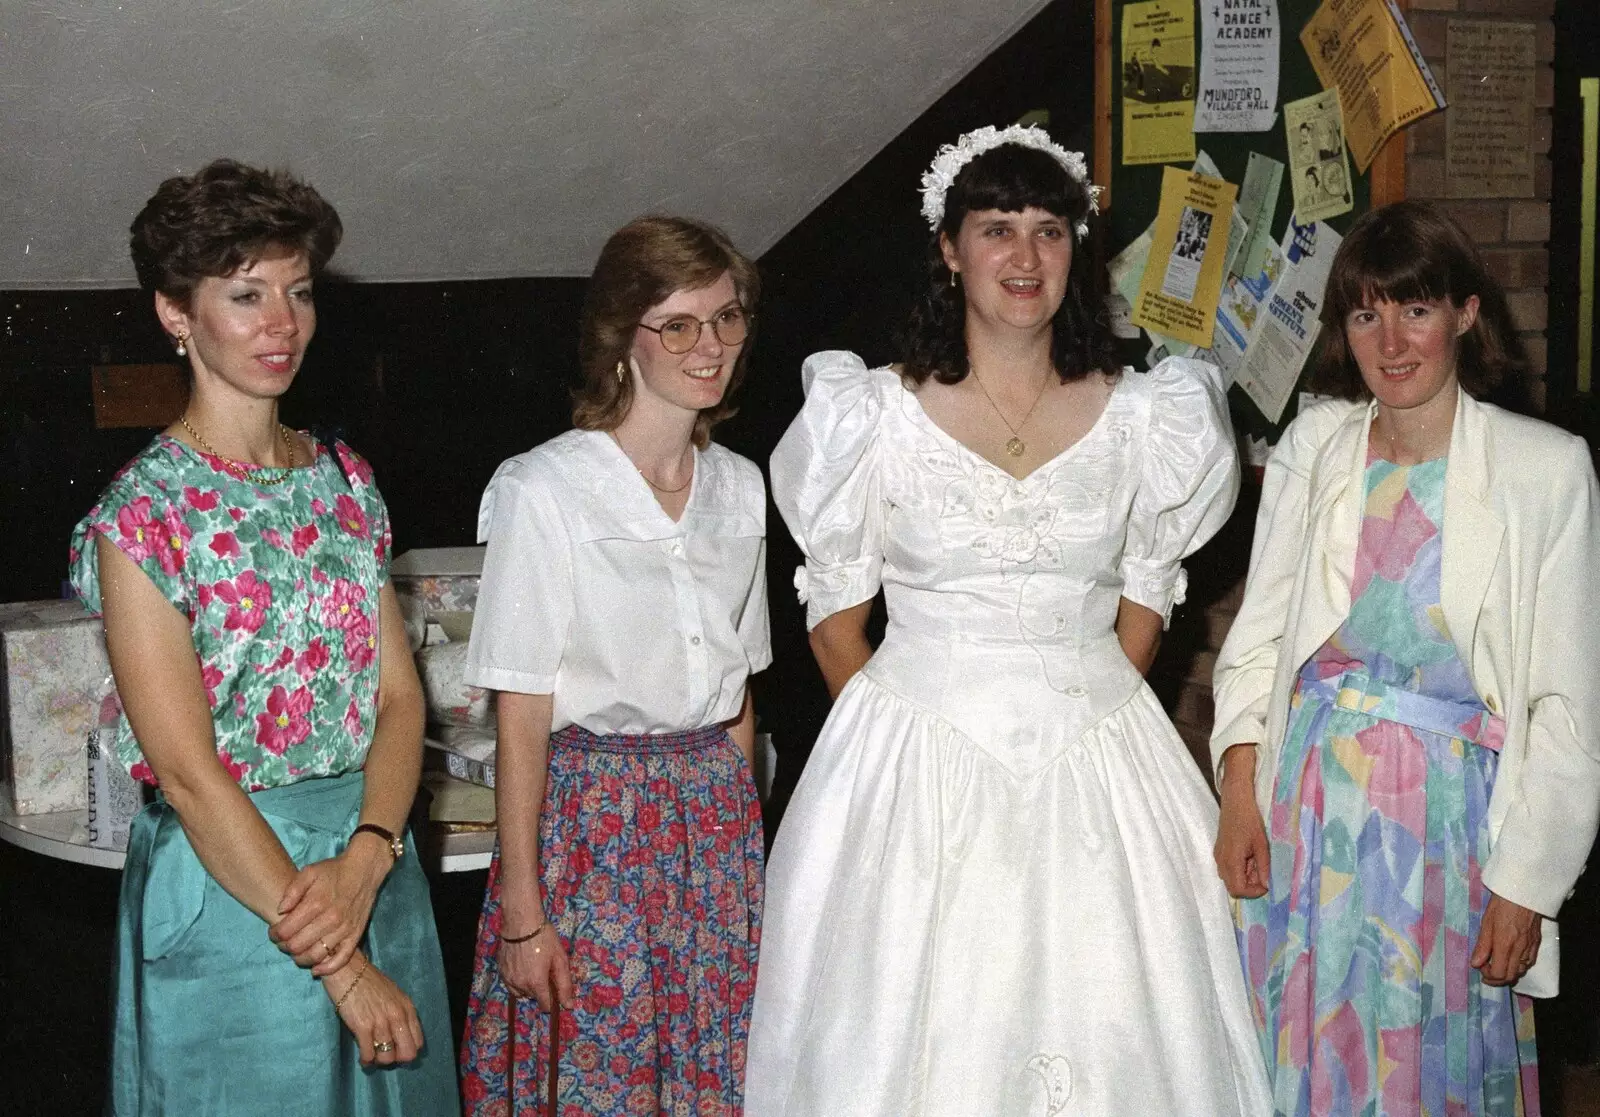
{"points": [[543, 923], [338, 1004]]}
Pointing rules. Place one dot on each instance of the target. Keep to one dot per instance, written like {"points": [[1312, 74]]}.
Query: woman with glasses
{"points": [[622, 610]]}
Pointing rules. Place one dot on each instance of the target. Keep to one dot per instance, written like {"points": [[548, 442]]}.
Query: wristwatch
{"points": [[397, 847]]}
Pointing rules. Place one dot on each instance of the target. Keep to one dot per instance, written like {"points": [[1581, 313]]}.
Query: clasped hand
{"points": [[325, 909], [1509, 937], [380, 1017], [1242, 852]]}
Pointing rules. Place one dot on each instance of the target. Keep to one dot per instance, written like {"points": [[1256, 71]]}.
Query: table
{"points": [[64, 835]]}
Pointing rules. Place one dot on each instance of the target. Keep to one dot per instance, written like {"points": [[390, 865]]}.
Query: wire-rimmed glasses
{"points": [[731, 325]]}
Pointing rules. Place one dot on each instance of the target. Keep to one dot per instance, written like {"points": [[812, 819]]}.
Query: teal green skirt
{"points": [[212, 1018]]}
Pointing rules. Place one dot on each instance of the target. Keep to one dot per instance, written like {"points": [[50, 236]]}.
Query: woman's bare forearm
{"points": [[158, 677], [839, 643], [1139, 633], [394, 759], [742, 729], [522, 769]]}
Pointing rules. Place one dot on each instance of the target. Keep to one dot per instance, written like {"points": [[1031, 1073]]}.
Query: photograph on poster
{"points": [[1183, 266]]}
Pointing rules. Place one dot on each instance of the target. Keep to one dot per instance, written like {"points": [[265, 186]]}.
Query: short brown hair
{"points": [[1413, 251], [642, 264], [222, 217]]}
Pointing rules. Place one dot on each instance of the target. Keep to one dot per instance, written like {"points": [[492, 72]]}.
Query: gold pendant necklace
{"points": [[258, 476], [1014, 445], [646, 476]]}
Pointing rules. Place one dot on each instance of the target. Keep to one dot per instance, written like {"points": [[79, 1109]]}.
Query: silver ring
{"points": [[382, 1048]]}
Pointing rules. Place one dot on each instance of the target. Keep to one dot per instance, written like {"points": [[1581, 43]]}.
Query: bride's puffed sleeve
{"points": [[1188, 481], [825, 484]]}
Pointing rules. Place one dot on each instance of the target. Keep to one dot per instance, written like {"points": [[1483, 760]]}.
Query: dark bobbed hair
{"points": [[223, 217], [1411, 251], [641, 265], [1010, 178]]}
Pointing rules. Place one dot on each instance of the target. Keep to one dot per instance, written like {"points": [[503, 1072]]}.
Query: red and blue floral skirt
{"points": [[651, 852]]}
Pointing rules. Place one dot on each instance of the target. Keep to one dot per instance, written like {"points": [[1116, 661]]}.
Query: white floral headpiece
{"points": [[937, 179]]}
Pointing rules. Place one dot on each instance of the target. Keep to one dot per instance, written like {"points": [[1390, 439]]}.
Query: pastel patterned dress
{"points": [[1357, 957], [280, 587]]}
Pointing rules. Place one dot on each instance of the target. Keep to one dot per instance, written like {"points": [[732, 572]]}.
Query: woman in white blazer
{"points": [[1407, 733]]}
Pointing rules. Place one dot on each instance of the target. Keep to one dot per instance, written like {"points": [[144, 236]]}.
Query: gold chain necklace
{"points": [[646, 476], [1014, 445], [258, 476]]}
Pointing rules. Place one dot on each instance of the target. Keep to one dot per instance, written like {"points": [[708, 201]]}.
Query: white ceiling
{"points": [[461, 140]]}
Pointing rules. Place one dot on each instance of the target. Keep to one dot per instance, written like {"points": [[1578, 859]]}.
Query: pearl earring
{"points": [[183, 344]]}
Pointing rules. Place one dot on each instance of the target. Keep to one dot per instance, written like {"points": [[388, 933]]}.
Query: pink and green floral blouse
{"points": [[280, 584]]}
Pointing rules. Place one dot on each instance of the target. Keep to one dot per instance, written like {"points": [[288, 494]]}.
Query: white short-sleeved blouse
{"points": [[591, 593]]}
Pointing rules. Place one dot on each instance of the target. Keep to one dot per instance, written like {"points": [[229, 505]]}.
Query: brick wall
{"points": [[1513, 234]]}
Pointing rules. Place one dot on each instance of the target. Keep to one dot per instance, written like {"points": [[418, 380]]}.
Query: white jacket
{"points": [[1520, 589]]}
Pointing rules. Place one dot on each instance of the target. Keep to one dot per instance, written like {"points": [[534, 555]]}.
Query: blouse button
{"points": [[1076, 691], [695, 640]]}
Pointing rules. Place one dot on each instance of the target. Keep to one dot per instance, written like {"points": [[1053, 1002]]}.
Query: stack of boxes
{"points": [[58, 706], [438, 589]]}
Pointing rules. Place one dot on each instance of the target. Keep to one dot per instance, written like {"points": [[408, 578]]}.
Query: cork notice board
{"points": [[1134, 192]]}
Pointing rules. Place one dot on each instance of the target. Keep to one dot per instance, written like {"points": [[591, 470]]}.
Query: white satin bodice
{"points": [[1002, 593]]}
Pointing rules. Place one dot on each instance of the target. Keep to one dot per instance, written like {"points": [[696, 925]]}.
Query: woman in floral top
{"points": [[276, 948]]}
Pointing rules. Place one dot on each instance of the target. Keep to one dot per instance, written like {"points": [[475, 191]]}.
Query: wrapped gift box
{"points": [[114, 796], [56, 676], [450, 698], [443, 580]]}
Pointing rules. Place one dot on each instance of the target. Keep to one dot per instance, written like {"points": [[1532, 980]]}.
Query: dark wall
{"points": [[1577, 55], [437, 383]]}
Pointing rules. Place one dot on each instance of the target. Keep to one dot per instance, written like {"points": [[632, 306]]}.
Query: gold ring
{"points": [[382, 1048], [327, 951]]}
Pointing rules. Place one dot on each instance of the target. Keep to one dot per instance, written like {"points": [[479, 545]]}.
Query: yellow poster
{"points": [[1158, 82], [1364, 49], [1183, 276]]}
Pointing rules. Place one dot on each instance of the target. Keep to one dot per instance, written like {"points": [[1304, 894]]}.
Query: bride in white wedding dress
{"points": [[992, 893]]}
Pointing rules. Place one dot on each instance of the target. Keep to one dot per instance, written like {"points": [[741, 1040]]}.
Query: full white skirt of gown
{"points": [[946, 938]]}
